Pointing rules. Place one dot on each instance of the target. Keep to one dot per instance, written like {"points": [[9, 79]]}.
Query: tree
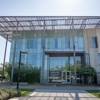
{"points": [[88, 71]]}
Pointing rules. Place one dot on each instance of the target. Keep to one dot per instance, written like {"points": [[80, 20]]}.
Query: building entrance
{"points": [[66, 77], [61, 67]]}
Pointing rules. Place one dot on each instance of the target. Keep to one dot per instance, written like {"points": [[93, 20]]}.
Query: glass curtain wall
{"points": [[30, 42], [61, 40], [55, 40]]}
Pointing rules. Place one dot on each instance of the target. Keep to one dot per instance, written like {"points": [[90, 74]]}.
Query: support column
{"points": [[13, 59], [43, 55], [74, 50], [4, 57]]}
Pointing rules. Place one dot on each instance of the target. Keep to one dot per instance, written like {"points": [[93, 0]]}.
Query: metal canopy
{"points": [[28, 23]]}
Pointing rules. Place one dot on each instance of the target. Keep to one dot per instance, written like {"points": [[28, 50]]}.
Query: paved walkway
{"points": [[53, 87], [41, 94], [56, 92]]}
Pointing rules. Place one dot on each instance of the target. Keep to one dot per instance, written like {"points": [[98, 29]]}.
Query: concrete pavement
{"points": [[56, 92], [43, 94], [52, 86]]}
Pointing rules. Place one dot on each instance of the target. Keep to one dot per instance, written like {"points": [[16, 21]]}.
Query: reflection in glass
{"points": [[87, 59]]}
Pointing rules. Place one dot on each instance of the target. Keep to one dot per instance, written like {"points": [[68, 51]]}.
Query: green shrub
{"points": [[27, 73], [88, 71], [7, 93]]}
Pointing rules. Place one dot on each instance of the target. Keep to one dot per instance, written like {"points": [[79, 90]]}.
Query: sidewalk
{"points": [[55, 92], [40, 94], [52, 87]]}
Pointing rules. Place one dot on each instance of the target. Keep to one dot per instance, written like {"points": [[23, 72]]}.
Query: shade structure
{"points": [[27, 23]]}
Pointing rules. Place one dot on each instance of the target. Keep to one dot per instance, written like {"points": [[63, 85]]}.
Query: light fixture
{"points": [[28, 24], [66, 17], [8, 19], [1, 24]]}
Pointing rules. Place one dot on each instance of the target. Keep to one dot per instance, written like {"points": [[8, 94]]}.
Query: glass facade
{"points": [[55, 40], [87, 59]]}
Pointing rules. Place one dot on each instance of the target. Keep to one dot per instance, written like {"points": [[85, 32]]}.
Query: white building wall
{"points": [[93, 52]]}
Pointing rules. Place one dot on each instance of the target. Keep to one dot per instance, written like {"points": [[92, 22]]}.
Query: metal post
{"points": [[74, 50], [4, 57], [43, 53], [13, 60], [18, 78]]}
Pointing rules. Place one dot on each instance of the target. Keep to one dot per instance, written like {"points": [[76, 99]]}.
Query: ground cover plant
{"points": [[25, 91], [94, 92]]}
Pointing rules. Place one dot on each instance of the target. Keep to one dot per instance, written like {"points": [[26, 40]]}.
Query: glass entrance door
{"points": [[66, 77]]}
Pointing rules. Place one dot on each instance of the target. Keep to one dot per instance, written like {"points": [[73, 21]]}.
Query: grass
{"points": [[25, 91], [94, 92]]}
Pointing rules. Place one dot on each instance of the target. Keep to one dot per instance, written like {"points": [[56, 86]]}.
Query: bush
{"points": [[88, 71], [27, 73], [8, 93]]}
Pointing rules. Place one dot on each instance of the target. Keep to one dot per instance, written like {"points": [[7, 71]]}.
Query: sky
{"points": [[45, 8]]}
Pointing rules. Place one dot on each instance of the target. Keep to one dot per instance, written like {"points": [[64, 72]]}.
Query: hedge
{"points": [[8, 93], [27, 73]]}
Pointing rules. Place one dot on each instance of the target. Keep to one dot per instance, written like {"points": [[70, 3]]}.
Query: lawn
{"points": [[94, 92], [25, 91]]}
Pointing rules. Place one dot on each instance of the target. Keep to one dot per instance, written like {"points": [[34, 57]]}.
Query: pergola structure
{"points": [[8, 24]]}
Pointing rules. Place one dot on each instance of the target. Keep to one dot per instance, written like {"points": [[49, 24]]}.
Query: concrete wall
{"points": [[93, 52]]}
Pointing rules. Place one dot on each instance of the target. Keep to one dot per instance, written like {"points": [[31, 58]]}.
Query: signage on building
{"points": [[54, 73]]}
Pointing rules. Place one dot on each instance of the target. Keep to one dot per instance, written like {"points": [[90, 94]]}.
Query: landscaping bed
{"points": [[7, 93]]}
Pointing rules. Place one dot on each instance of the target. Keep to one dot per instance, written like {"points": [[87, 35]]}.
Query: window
{"points": [[67, 42], [19, 44], [32, 59], [33, 44], [41, 43], [87, 59], [30, 44], [56, 43], [99, 58], [94, 42], [71, 43], [23, 58]]}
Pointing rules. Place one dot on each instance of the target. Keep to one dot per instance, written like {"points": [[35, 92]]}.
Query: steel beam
{"points": [[13, 60], [4, 57], [74, 50], [43, 55]]}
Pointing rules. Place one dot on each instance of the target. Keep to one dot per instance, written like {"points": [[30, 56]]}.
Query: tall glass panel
{"points": [[99, 58], [87, 59], [56, 44], [30, 44]]}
